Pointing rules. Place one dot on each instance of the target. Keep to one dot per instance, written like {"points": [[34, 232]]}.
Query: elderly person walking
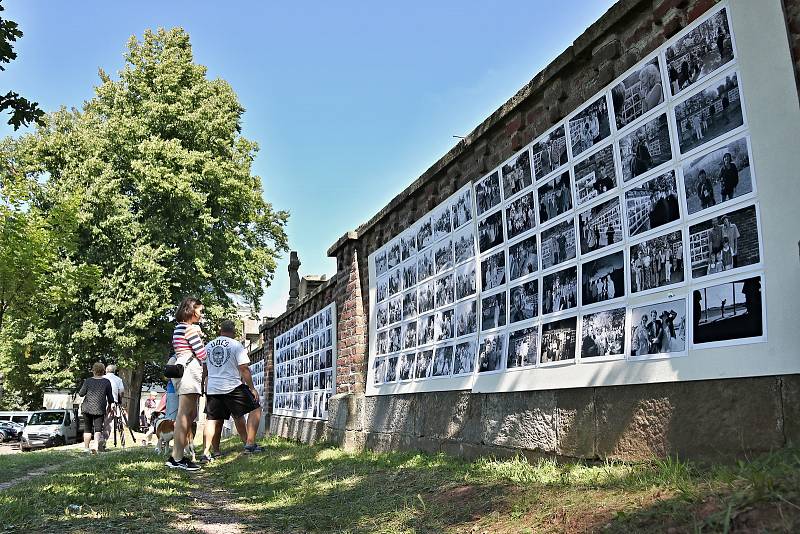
{"points": [[97, 396]]}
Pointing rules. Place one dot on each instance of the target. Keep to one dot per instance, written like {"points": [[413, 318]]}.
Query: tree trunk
{"points": [[132, 378]]}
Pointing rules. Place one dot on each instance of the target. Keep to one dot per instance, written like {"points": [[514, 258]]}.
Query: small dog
{"points": [[165, 431]]}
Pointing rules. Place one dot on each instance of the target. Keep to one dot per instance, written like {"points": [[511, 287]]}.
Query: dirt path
{"points": [[213, 511], [33, 474]]}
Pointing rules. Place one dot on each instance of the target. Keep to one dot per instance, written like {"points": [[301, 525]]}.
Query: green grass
{"points": [[297, 488], [15, 465]]}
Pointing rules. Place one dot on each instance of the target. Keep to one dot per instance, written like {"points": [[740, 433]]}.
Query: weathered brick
{"points": [[700, 8]]}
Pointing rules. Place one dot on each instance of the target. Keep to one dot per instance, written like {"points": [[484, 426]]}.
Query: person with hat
{"points": [[667, 334]]}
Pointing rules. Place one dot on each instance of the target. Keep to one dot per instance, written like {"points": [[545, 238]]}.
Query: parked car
{"points": [[50, 428], [10, 431], [18, 416]]}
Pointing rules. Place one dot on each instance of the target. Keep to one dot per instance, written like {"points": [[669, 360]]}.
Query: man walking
{"points": [[229, 391], [115, 409]]}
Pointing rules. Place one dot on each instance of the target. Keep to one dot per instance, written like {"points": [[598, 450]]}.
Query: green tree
{"points": [[166, 206], [23, 111]]}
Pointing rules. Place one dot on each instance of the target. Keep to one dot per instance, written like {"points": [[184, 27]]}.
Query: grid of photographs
{"points": [[590, 242], [305, 366]]}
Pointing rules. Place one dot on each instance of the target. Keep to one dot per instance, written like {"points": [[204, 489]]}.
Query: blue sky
{"points": [[349, 101]]}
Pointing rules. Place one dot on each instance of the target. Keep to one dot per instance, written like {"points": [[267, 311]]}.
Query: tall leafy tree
{"points": [[23, 111], [167, 206]]}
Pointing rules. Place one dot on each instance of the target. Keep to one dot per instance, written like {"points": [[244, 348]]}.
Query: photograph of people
{"points": [[381, 265], [490, 231], [490, 357], [559, 340], [464, 245], [493, 311], [603, 334], [700, 52], [408, 245], [465, 280], [595, 175], [659, 328], [462, 209], [705, 116], [487, 193], [424, 233], [523, 258], [422, 368], [493, 271], [637, 94], [443, 255], [441, 222], [603, 279], [657, 262], [558, 244], [520, 215], [645, 148], [516, 175], [467, 318], [524, 301], [522, 348], [728, 311], [425, 267], [555, 197], [652, 204], [589, 127], [560, 290], [724, 243], [601, 226], [549, 152], [378, 371], [442, 361], [465, 356], [717, 177]]}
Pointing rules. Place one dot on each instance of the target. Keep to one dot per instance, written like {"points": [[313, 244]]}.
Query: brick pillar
{"points": [[268, 334], [351, 335]]}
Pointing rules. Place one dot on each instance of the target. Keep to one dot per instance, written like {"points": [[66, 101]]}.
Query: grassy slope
{"points": [[12, 466], [294, 488]]}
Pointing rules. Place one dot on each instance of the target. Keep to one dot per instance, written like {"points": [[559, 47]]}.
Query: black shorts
{"points": [[238, 402], [92, 423]]}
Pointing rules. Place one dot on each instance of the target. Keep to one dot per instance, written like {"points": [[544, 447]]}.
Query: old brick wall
{"points": [[708, 418]]}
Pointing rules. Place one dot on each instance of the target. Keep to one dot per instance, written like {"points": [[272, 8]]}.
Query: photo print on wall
{"points": [[709, 114], [601, 226], [603, 334], [516, 175], [659, 329], [589, 127], [523, 258], [595, 175], [728, 313], [549, 153], [725, 242], [558, 341], [657, 262], [652, 204], [719, 176], [639, 93]]}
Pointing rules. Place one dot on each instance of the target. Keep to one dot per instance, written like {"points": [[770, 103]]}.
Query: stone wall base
{"points": [[704, 420]]}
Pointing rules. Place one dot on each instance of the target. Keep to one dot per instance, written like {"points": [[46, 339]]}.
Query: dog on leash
{"points": [[165, 431]]}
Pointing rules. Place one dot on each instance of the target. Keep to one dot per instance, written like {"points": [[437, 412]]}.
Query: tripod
{"points": [[119, 415]]}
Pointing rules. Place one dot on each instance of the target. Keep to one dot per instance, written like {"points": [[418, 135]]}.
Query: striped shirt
{"points": [[186, 341]]}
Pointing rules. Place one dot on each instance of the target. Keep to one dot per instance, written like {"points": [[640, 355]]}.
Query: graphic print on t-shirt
{"points": [[224, 355]]}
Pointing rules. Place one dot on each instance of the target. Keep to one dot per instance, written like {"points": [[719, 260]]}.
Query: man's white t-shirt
{"points": [[117, 386], [224, 355]]}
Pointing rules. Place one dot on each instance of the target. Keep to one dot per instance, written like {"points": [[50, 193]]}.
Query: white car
{"points": [[49, 428]]}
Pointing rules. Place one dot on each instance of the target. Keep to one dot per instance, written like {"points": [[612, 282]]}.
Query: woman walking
{"points": [[97, 396], [189, 352]]}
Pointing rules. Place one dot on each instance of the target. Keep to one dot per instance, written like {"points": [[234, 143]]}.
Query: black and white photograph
{"points": [[382, 343], [425, 267], [520, 215], [395, 310], [718, 177], [601, 226], [395, 285], [393, 256], [516, 175], [558, 244], [382, 289], [409, 335], [467, 318], [589, 127], [465, 280], [490, 231], [723, 243], [490, 355], [637, 94], [409, 304], [381, 265], [487, 193], [728, 313], [445, 291], [395, 339], [559, 340], [407, 366], [658, 328], [408, 245], [409, 275], [382, 314], [549, 153], [425, 328], [441, 222], [424, 233], [462, 208], [523, 258], [378, 370], [465, 355], [555, 197], [603, 334], [391, 368], [443, 255], [652, 204], [560, 290], [443, 325], [464, 244], [645, 148], [595, 175], [700, 52], [657, 262], [493, 271], [425, 302], [442, 361], [523, 302], [422, 368], [523, 348], [493, 311], [603, 279], [709, 114]]}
